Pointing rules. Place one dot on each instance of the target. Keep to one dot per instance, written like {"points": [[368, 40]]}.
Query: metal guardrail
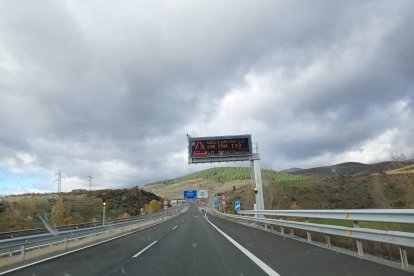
{"points": [[398, 238], [377, 215], [28, 232], [20, 245]]}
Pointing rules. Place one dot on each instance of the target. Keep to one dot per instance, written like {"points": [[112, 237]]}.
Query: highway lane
{"points": [[38, 239], [99, 259], [189, 245], [186, 245], [193, 248], [292, 257]]}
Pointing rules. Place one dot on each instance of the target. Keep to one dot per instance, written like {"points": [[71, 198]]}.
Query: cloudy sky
{"points": [[110, 88]]}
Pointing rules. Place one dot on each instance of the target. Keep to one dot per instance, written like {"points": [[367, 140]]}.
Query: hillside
{"points": [[406, 169], [214, 174], [22, 211], [342, 186], [353, 168], [292, 170], [226, 174], [219, 180]]}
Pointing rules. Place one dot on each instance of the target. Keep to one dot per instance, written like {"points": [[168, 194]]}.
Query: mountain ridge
{"points": [[354, 168]]}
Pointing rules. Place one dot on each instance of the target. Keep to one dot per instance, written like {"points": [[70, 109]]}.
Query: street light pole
{"points": [[103, 210]]}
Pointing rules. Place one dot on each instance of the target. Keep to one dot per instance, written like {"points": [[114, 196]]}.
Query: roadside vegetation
{"points": [[19, 212]]}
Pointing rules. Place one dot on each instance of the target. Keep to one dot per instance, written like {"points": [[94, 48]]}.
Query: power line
{"points": [[58, 179], [90, 181]]}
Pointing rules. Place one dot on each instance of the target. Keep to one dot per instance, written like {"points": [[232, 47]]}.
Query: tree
{"points": [[61, 212], [294, 206], [125, 215], [154, 206], [146, 209], [18, 215], [3, 206], [396, 156]]}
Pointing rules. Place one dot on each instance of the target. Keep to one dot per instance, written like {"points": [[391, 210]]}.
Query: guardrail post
{"points": [[328, 241], [358, 242], [282, 230], [66, 243], [292, 233], [404, 259], [360, 248], [10, 251], [308, 234], [23, 252]]}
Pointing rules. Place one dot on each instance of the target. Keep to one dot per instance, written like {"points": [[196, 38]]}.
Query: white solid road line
{"points": [[174, 227], [246, 252], [143, 250]]}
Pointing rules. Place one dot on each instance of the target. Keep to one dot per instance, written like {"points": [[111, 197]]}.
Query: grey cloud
{"points": [[87, 86]]}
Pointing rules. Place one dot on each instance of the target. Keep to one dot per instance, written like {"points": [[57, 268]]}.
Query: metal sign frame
{"points": [[198, 153]]}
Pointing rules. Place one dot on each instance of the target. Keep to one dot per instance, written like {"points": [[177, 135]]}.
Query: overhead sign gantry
{"points": [[227, 149]]}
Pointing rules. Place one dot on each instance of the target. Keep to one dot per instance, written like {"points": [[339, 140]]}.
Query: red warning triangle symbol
{"points": [[199, 149]]}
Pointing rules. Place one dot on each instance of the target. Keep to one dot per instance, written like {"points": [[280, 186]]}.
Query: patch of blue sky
{"points": [[12, 183]]}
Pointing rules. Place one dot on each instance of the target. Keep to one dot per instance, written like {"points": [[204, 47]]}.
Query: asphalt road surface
{"points": [[190, 245]]}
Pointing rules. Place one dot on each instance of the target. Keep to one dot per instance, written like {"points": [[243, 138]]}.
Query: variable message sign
{"points": [[219, 149]]}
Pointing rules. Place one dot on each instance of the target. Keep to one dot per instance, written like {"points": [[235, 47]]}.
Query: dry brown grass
{"points": [[407, 169]]}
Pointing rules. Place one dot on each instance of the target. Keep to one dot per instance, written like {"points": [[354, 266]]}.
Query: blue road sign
{"points": [[237, 205], [216, 202], [190, 194]]}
